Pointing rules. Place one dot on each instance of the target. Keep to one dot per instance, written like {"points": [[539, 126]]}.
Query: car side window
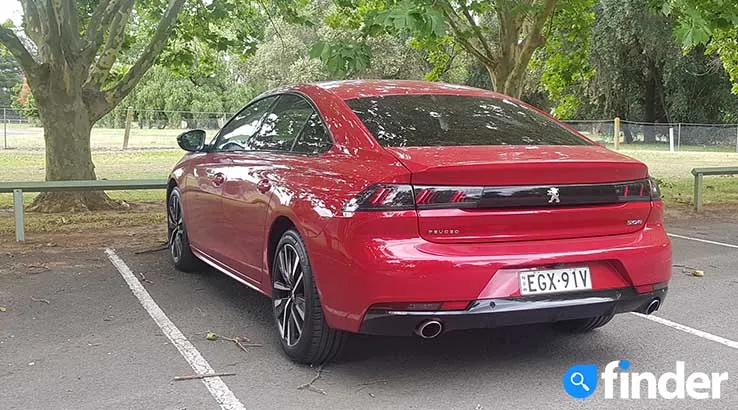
{"points": [[282, 125], [314, 137], [236, 134]]}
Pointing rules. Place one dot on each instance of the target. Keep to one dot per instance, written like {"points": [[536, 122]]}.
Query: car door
{"points": [[211, 174], [202, 201], [249, 186]]}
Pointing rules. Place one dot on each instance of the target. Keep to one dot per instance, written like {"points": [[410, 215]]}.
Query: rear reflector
{"points": [[394, 197], [419, 306]]}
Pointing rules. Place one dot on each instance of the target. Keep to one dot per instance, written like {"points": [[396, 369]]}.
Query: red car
{"points": [[401, 207]]}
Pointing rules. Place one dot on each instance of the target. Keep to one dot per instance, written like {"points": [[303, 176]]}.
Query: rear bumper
{"points": [[490, 313], [378, 258]]}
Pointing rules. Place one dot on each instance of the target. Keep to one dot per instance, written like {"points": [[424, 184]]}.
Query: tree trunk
{"points": [[627, 133], [67, 128], [650, 101], [507, 80]]}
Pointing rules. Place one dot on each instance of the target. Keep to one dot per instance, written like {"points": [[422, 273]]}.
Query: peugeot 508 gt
{"points": [[397, 207]]}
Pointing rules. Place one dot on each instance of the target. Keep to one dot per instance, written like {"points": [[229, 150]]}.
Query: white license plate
{"points": [[541, 282]]}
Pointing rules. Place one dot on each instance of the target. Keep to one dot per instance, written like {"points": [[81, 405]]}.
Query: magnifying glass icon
{"points": [[577, 379]]}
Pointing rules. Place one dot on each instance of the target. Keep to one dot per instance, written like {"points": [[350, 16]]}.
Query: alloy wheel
{"points": [[175, 224], [289, 295]]}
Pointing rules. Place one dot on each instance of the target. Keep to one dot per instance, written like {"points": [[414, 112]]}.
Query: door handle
{"points": [[218, 179], [263, 186]]}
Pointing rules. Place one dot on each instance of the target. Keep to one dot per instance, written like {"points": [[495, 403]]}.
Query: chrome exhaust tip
{"points": [[429, 329], [653, 306]]}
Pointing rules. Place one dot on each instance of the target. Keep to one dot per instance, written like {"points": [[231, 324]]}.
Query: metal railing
{"points": [[17, 188], [699, 173]]}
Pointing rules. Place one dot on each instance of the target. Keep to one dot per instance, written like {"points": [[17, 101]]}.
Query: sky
{"points": [[10, 9]]}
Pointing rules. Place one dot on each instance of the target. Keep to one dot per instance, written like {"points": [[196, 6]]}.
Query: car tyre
{"points": [[303, 332], [583, 325], [178, 241]]}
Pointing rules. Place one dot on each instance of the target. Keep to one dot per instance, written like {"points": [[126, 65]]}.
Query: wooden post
{"points": [[698, 192], [20, 233], [616, 133], [5, 128], [127, 133]]}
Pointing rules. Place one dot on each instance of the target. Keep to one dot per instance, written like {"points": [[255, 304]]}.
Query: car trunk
{"points": [[529, 192]]}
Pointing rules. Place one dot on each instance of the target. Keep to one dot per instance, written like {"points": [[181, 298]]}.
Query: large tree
{"points": [[626, 62], [500, 34], [81, 58]]}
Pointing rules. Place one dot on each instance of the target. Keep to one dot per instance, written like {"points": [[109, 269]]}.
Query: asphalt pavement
{"points": [[74, 336]]}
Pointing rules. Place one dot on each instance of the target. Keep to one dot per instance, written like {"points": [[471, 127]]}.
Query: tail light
{"points": [[634, 191], [447, 197], [383, 197], [398, 197]]}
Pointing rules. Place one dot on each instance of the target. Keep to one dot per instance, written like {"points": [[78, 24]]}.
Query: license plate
{"points": [[541, 282]]}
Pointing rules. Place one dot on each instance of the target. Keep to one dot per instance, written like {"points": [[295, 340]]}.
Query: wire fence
{"points": [[151, 129], [662, 136], [148, 128]]}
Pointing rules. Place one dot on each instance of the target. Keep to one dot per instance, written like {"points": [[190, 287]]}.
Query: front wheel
{"points": [[304, 334]]}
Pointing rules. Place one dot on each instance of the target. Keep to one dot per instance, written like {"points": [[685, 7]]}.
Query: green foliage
{"points": [[698, 21], [10, 77], [23, 102], [163, 99], [621, 59], [564, 61], [709, 23], [420, 18], [291, 53], [348, 57]]}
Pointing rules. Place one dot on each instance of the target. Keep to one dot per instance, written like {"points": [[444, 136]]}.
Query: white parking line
{"points": [[692, 331], [727, 245], [218, 389]]}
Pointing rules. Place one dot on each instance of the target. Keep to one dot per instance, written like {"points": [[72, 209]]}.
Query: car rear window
{"points": [[422, 120]]}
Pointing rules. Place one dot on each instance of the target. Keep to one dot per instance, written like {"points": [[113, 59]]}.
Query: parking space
{"points": [[94, 346]]}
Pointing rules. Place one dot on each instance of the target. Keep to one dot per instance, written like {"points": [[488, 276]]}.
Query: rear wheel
{"points": [[179, 243], [304, 334], [583, 325]]}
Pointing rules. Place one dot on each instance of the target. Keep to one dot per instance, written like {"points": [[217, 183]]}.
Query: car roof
{"points": [[349, 89]]}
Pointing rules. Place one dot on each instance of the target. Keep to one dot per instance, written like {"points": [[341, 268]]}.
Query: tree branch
{"points": [[475, 28], [99, 72], [114, 95], [35, 26], [64, 22], [19, 51], [460, 38], [534, 37], [101, 18]]}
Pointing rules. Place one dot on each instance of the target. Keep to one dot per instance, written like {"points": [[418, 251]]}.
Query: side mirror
{"points": [[192, 140]]}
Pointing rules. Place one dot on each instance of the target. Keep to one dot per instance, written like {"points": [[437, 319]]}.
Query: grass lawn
{"points": [[673, 169], [25, 137], [29, 166]]}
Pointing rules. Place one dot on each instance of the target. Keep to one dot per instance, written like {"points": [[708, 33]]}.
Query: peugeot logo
{"points": [[553, 195]]}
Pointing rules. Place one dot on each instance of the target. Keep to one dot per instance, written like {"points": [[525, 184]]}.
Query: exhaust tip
{"points": [[429, 329], [653, 306]]}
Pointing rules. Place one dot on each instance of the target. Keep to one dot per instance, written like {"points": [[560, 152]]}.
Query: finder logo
{"points": [[580, 382]]}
